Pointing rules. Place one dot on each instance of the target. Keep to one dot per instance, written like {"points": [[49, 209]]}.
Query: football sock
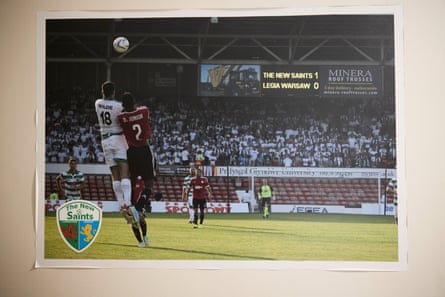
{"points": [[146, 192], [145, 197], [192, 214], [136, 232], [126, 190], [118, 192], [143, 227], [201, 218]]}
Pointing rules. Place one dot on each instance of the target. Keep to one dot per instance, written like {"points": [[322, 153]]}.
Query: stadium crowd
{"points": [[295, 132]]}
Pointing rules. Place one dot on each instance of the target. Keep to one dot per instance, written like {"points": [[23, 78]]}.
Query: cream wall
{"points": [[424, 63]]}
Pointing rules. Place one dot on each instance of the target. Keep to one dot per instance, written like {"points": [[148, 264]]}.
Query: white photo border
{"points": [[400, 265]]}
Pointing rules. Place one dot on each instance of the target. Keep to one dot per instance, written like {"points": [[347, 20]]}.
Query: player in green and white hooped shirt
{"points": [[189, 197], [70, 182]]}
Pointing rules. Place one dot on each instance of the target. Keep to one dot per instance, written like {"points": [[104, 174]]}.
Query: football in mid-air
{"points": [[121, 44]]}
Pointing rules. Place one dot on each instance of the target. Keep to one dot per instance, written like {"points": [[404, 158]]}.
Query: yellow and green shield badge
{"points": [[79, 223]]}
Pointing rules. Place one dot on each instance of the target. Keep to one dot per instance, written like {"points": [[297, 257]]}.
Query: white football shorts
{"points": [[115, 149]]}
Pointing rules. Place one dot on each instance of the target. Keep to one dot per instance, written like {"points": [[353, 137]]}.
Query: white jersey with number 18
{"points": [[107, 112]]}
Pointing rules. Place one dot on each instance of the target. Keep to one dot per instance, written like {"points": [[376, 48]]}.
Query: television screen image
{"points": [[229, 80]]}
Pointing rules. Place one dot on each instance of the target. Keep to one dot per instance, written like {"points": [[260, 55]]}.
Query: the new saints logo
{"points": [[79, 223]]}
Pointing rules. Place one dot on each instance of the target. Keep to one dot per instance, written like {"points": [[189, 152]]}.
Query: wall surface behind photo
{"points": [[424, 62]]}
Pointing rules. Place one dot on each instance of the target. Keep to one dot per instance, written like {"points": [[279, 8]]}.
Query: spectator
{"points": [[232, 132], [246, 198], [185, 157]]}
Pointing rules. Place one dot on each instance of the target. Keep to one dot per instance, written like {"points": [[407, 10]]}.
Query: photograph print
{"points": [[252, 140]]}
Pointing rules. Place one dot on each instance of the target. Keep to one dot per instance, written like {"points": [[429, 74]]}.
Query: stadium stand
{"points": [[328, 133]]}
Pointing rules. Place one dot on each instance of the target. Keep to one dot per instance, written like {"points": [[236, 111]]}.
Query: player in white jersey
{"points": [[114, 144]]}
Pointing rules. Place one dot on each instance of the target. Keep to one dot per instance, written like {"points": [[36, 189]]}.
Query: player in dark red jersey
{"points": [[135, 124], [201, 189]]}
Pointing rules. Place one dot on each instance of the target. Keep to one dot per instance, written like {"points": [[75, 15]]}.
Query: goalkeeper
{"points": [[266, 194]]}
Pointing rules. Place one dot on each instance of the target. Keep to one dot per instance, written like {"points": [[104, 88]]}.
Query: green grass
{"points": [[288, 237]]}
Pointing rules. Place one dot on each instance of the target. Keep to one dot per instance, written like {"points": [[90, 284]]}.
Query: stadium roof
{"points": [[320, 39]]}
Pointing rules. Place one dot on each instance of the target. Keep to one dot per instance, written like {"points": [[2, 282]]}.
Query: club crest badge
{"points": [[79, 222]]}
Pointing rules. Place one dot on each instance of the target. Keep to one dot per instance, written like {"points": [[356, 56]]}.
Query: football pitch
{"points": [[240, 237]]}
